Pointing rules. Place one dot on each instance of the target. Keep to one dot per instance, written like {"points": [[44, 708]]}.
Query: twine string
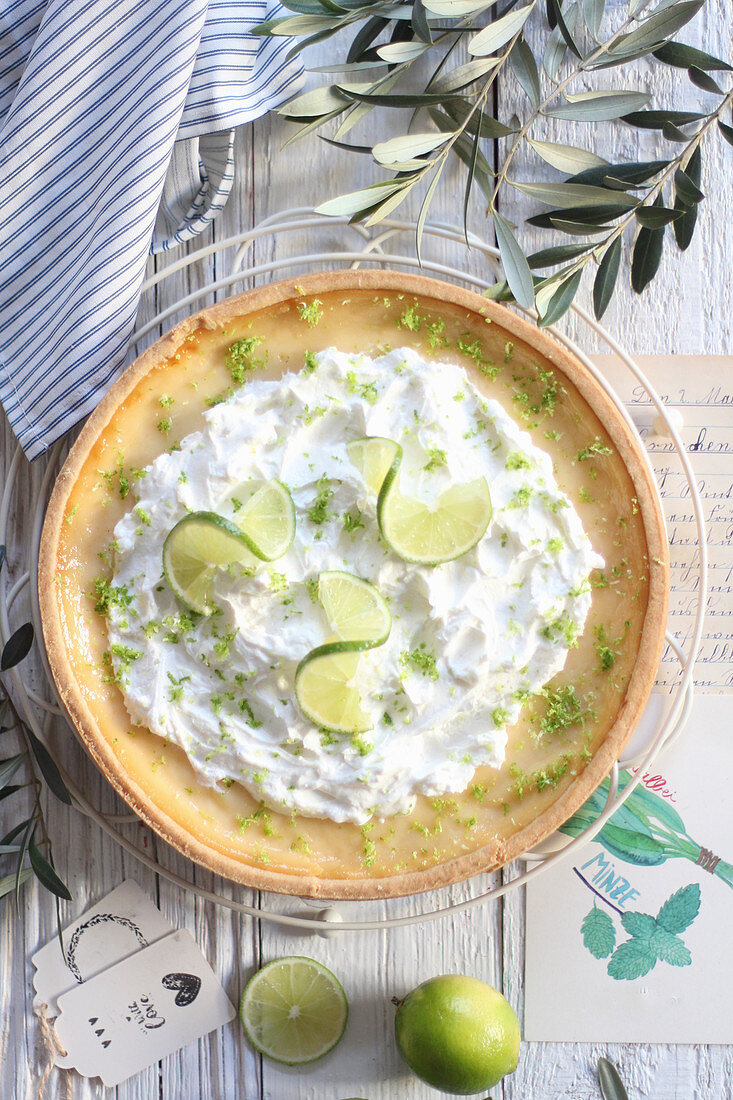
{"points": [[51, 1047]]}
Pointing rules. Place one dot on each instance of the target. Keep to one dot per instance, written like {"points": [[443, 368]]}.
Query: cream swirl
{"points": [[470, 639]]}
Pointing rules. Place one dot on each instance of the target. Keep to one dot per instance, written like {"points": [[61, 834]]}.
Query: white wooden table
{"points": [[687, 310]]}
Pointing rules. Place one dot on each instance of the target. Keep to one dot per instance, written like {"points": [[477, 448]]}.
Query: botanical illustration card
{"points": [[629, 941]]}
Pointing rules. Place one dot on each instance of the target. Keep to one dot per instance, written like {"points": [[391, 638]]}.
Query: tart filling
{"points": [[470, 641]]}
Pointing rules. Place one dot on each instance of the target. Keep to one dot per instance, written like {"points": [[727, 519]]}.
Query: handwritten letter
{"points": [[701, 389]]}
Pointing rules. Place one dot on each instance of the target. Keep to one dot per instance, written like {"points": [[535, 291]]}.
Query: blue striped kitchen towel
{"points": [[115, 138]]}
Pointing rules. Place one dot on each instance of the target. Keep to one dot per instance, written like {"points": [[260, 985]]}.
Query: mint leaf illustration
{"points": [[631, 960], [599, 935], [670, 948], [679, 911], [639, 924]]}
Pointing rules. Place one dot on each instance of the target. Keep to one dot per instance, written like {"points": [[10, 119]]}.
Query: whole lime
{"points": [[458, 1034]]}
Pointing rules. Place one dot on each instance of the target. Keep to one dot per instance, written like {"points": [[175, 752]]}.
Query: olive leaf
{"points": [[558, 254], [571, 195], [726, 131], [461, 114], [26, 839], [318, 101], [48, 768], [656, 216], [566, 158], [654, 30], [596, 216], [411, 145], [516, 268], [559, 20], [656, 120], [458, 8], [701, 80], [673, 133], [9, 767], [354, 201], [605, 280], [645, 260], [686, 189], [626, 175], [45, 872], [499, 32], [524, 67], [556, 47], [464, 75], [401, 51], [395, 40], [561, 300], [10, 882], [611, 1085], [593, 11], [17, 647], [599, 106], [682, 56], [684, 226]]}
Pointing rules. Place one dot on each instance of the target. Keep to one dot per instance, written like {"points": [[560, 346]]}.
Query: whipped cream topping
{"points": [[471, 639]]}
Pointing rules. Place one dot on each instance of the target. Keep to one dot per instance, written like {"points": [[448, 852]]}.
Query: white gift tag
{"points": [[122, 923], [151, 1004]]}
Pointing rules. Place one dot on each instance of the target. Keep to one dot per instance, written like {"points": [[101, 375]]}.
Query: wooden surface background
{"points": [[687, 310]]}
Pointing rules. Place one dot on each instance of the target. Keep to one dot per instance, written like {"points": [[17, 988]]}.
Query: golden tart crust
{"points": [[503, 813]]}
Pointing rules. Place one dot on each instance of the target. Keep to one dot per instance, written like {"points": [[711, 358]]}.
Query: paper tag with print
{"points": [[121, 924], [128, 1017]]}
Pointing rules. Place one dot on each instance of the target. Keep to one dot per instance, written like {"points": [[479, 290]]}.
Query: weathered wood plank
{"points": [[688, 309]]}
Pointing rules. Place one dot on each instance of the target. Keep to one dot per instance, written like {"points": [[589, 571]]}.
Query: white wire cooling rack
{"points": [[357, 247]]}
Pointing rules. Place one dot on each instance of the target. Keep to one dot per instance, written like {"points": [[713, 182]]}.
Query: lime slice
{"points": [[432, 534], [326, 691], [325, 685], [267, 521], [354, 608], [294, 1010], [198, 545], [375, 457]]}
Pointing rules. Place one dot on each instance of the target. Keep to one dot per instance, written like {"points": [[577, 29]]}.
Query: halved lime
{"points": [[375, 457], [294, 1010], [355, 610], [267, 521], [432, 534], [198, 545], [326, 691]]}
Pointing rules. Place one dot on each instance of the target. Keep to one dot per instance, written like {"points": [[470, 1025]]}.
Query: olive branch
{"points": [[596, 202], [28, 842]]}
